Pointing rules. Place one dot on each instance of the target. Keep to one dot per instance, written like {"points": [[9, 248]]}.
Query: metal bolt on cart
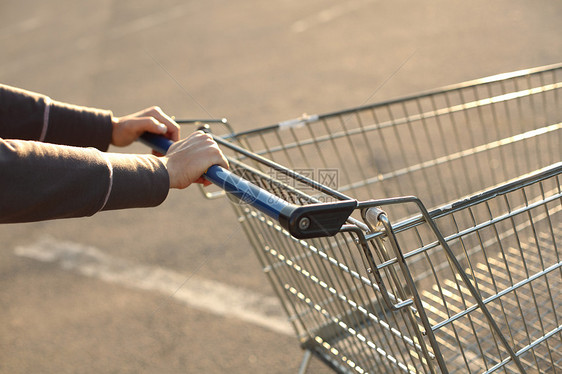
{"points": [[418, 235]]}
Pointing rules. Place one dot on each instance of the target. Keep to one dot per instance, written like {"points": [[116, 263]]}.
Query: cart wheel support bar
{"points": [[307, 221]]}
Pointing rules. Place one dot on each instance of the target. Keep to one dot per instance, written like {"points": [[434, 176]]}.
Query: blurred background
{"points": [[177, 288]]}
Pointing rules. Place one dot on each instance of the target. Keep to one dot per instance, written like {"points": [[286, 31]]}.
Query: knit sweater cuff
{"points": [[137, 181]]}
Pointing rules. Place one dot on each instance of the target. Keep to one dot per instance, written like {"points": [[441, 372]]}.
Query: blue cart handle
{"points": [[307, 221]]}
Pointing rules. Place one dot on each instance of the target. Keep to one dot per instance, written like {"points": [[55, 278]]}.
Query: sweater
{"points": [[54, 164]]}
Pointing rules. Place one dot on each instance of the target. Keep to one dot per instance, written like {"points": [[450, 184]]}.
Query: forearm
{"points": [[45, 181], [30, 116]]}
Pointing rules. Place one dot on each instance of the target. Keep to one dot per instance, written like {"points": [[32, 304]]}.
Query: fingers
{"points": [[187, 160], [203, 181], [202, 144], [139, 125], [128, 128], [162, 121], [213, 152]]}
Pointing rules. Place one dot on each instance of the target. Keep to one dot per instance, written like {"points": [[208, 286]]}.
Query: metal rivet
{"points": [[304, 223]]}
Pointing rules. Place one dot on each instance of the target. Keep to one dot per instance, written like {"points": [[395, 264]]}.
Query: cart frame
{"points": [[435, 246], [314, 280]]}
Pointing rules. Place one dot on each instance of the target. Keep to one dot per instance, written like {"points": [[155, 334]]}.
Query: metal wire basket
{"points": [[417, 235], [450, 261]]}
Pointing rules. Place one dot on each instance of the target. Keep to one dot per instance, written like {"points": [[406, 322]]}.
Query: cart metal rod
{"points": [[504, 292], [357, 335], [454, 87], [373, 318], [515, 184], [308, 221], [525, 349], [460, 271], [199, 121], [300, 194], [456, 156], [499, 238], [364, 280], [301, 178], [450, 88], [412, 118], [261, 199], [479, 227]]}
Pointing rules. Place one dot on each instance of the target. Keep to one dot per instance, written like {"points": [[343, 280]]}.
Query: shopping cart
{"points": [[417, 235]]}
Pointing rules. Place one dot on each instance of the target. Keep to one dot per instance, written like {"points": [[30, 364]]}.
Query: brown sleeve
{"points": [[30, 116], [41, 181]]}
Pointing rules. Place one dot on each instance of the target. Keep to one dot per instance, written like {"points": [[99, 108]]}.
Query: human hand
{"points": [[187, 160], [128, 128]]}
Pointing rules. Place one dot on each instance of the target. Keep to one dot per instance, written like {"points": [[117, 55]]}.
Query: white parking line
{"points": [[193, 291]]}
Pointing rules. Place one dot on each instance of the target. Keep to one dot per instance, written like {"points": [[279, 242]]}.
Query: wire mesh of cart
{"points": [[418, 235]]}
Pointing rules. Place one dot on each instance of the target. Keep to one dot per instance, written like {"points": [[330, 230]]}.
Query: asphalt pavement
{"points": [[177, 288]]}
